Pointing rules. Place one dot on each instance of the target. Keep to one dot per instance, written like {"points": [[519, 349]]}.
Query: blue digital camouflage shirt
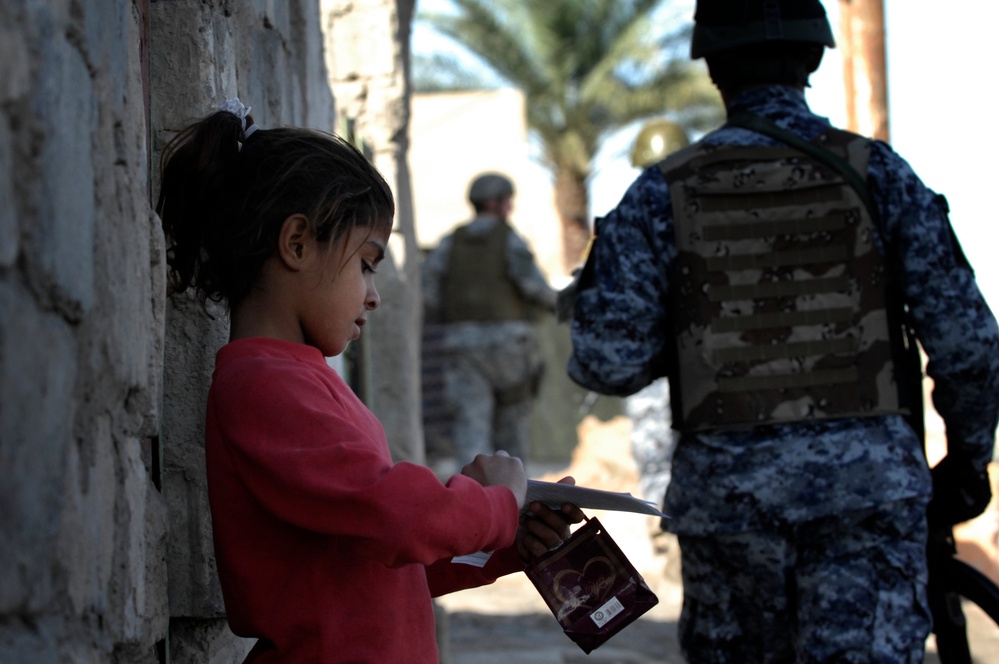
{"points": [[736, 480]]}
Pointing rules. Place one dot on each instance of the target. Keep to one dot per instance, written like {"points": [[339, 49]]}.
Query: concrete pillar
{"points": [[367, 54]]}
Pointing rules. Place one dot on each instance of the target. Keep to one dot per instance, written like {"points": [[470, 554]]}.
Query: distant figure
{"points": [[482, 285], [775, 271]]}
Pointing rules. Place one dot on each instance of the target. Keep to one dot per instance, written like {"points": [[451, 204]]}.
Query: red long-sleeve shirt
{"points": [[326, 550]]}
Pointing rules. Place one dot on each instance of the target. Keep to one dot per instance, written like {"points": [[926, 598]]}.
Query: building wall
{"points": [[105, 548], [84, 525]]}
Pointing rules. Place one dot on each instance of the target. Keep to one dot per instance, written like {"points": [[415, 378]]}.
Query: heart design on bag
{"points": [[586, 588], [590, 586]]}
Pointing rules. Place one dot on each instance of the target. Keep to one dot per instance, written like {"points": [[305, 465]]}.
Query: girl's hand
{"points": [[499, 469], [543, 528]]}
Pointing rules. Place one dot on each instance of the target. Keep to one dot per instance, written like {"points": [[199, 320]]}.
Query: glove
{"points": [[960, 492]]}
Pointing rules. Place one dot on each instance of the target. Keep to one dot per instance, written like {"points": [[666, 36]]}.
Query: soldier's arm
{"points": [[953, 322], [523, 270], [619, 318]]}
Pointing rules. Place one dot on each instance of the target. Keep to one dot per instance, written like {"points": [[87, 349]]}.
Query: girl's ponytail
{"points": [[197, 190]]}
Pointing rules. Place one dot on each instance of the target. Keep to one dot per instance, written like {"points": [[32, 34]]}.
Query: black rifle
{"points": [[949, 625]]}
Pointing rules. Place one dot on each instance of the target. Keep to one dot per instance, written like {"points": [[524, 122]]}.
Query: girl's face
{"points": [[343, 289]]}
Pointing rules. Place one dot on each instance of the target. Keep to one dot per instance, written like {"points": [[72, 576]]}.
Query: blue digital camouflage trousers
{"points": [[844, 588]]}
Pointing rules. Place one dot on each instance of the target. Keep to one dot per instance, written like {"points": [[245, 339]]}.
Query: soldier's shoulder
{"points": [[678, 161]]}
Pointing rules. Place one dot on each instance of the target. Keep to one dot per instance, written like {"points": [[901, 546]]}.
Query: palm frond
{"points": [[586, 67], [486, 35]]}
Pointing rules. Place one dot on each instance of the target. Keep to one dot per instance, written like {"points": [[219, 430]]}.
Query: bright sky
{"points": [[940, 87]]}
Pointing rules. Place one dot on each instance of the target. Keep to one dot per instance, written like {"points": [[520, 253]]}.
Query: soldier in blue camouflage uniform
{"points": [[483, 287], [803, 538]]}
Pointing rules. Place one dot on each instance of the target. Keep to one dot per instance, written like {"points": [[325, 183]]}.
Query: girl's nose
{"points": [[373, 299]]}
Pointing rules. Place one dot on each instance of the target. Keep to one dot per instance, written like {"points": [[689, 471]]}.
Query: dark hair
{"points": [[222, 202], [771, 63]]}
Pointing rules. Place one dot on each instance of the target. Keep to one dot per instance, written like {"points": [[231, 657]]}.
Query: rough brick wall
{"points": [[105, 547], [84, 526]]}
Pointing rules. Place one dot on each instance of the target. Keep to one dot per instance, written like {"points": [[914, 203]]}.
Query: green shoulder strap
{"points": [[760, 124]]}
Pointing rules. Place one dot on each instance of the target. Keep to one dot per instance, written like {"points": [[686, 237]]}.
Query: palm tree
{"points": [[586, 68]]}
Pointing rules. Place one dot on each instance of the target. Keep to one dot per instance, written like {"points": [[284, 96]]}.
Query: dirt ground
{"points": [[509, 623]]}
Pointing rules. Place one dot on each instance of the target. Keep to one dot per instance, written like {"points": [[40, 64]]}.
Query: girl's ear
{"points": [[295, 241]]}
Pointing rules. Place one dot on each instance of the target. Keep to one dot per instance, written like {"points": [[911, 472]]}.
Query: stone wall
{"points": [[84, 522], [105, 548]]}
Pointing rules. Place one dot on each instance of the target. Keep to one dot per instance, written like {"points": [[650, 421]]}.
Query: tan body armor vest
{"points": [[779, 296], [476, 286]]}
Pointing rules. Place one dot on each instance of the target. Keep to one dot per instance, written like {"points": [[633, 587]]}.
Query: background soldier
{"points": [[483, 285], [768, 271]]}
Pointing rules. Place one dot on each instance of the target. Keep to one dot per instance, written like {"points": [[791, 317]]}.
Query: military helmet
{"points": [[657, 139], [488, 187], [720, 25]]}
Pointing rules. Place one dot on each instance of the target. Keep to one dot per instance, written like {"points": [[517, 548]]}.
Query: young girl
{"points": [[326, 550]]}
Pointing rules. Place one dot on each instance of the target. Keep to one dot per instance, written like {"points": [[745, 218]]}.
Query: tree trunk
{"points": [[865, 76], [572, 204]]}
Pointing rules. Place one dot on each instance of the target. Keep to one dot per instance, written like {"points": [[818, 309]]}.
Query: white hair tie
{"points": [[236, 107]]}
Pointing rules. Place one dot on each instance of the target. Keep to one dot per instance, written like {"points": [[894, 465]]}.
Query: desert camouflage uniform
{"points": [[489, 367], [764, 488]]}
